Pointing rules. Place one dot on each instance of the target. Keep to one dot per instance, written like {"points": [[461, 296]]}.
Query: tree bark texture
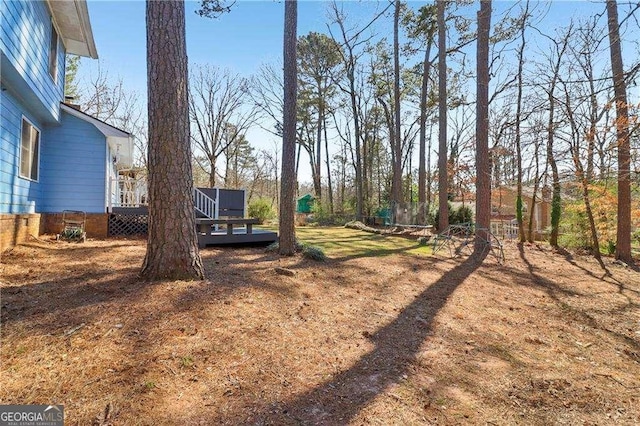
{"points": [[443, 179], [483, 162], [556, 201], [422, 162], [396, 183], [172, 249], [288, 181], [623, 240], [518, 143]]}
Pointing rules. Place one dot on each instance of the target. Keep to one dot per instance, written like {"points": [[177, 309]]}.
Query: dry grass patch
{"points": [[381, 333]]}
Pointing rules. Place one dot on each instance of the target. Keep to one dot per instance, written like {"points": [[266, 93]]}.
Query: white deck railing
{"points": [[128, 191], [204, 204]]}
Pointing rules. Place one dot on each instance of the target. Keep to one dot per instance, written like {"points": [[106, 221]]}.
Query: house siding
{"points": [[73, 167], [25, 29], [17, 195]]}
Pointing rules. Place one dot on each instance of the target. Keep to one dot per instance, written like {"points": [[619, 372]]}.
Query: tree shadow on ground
{"points": [[607, 273], [397, 344], [553, 290]]}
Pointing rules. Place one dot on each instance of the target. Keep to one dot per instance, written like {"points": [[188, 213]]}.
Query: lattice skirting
{"points": [[128, 224]]}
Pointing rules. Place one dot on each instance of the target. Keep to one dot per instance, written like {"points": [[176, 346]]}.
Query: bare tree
{"points": [[220, 112], [426, 27], [108, 100], [559, 48], [574, 136], [351, 42], [318, 57], [288, 182], [172, 249]]}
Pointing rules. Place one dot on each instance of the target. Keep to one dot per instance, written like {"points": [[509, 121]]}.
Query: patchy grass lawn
{"points": [[382, 333], [343, 243]]}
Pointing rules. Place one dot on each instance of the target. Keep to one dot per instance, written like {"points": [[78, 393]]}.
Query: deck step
{"points": [[239, 236]]}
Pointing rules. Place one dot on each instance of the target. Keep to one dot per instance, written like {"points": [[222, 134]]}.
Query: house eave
{"points": [[71, 18]]}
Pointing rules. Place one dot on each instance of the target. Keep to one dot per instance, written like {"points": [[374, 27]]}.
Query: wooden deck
{"points": [[237, 231]]}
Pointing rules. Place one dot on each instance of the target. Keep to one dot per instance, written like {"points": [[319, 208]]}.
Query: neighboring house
{"points": [[503, 210], [52, 156]]}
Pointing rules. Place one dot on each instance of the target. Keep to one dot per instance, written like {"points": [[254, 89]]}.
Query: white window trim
{"points": [[57, 65], [39, 150]]}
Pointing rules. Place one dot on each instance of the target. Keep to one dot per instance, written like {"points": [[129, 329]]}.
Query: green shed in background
{"points": [[305, 203]]}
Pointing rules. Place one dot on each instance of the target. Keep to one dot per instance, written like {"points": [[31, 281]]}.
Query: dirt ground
{"points": [[381, 337]]}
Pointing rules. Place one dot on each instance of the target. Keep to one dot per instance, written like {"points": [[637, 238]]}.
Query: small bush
{"points": [[463, 215], [456, 216], [261, 209], [314, 253], [274, 246], [309, 252]]}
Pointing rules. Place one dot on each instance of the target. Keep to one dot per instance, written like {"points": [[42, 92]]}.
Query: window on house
{"points": [[53, 54], [29, 151]]}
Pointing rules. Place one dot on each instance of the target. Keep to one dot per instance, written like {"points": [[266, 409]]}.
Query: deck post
{"points": [[110, 195], [216, 214]]}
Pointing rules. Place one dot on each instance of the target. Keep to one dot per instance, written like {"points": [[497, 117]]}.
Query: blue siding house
{"points": [[52, 156]]}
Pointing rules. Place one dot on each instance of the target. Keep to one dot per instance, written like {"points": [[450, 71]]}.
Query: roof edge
{"points": [[85, 23], [85, 47], [87, 117]]}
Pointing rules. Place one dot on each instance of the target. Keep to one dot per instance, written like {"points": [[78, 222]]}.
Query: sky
{"points": [[244, 39], [241, 41]]}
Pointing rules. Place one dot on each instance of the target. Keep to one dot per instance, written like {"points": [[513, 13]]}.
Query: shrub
{"points": [[461, 215], [423, 241], [309, 252], [261, 209], [611, 247], [313, 253]]}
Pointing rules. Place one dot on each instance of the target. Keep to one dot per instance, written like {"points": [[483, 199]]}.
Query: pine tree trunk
{"points": [[172, 249], [287, 238], [536, 186], [318, 163], [623, 240], [518, 143], [556, 203], [396, 146], [422, 166], [443, 190], [483, 162], [328, 163]]}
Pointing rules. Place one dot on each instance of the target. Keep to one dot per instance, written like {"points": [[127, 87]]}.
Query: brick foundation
{"points": [[97, 225], [16, 229]]}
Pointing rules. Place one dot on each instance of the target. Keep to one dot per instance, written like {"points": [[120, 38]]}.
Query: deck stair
{"points": [[205, 206], [221, 218]]}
